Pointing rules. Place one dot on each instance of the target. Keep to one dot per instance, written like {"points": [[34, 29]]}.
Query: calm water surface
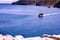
{"points": [[24, 20]]}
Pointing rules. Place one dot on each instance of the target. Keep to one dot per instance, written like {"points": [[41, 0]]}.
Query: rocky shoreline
{"points": [[49, 3], [20, 37]]}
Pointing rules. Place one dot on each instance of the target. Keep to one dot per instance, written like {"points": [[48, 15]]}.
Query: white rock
{"points": [[1, 37], [33, 38], [46, 38], [18, 37], [58, 36], [7, 37], [45, 35]]}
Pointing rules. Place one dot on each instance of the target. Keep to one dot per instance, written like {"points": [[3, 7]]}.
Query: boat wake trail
{"points": [[51, 14]]}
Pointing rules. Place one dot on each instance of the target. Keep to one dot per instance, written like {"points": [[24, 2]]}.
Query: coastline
{"points": [[53, 3], [20, 37]]}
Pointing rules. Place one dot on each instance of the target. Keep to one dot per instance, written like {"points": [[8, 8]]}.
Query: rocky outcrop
{"points": [[57, 5], [20, 37], [25, 2], [19, 3], [49, 3]]}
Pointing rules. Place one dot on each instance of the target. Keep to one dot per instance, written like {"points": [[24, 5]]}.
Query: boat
{"points": [[41, 15]]}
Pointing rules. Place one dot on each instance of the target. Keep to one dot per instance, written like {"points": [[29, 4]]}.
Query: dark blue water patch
{"points": [[4, 5], [28, 32], [12, 16], [3, 22], [7, 19]]}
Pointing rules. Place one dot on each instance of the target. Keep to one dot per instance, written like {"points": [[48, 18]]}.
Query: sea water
{"points": [[24, 20]]}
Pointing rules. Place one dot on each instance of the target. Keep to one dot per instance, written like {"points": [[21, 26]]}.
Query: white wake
{"points": [[51, 14]]}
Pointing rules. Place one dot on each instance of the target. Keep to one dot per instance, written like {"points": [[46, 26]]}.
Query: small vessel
{"points": [[41, 15]]}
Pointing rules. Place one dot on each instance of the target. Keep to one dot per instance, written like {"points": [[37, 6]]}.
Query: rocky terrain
{"points": [[20, 37], [57, 4], [49, 3]]}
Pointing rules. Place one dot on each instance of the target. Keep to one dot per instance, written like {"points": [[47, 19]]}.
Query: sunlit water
{"points": [[24, 20]]}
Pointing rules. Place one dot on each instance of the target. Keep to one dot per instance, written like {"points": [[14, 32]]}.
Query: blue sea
{"points": [[24, 20]]}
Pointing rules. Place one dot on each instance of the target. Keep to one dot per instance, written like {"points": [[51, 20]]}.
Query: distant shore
{"points": [[53, 3]]}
